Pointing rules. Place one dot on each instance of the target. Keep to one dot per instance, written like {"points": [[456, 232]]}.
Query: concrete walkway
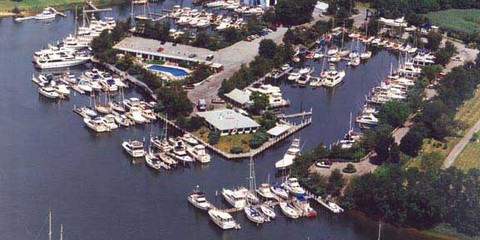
{"points": [[460, 146]]}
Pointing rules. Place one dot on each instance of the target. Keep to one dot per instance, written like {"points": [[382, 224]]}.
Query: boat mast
{"points": [[61, 231], [76, 21], [252, 176], [50, 225]]}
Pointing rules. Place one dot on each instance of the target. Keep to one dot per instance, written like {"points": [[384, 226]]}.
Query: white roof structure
{"points": [[399, 22], [239, 96], [227, 119], [322, 6], [278, 130]]}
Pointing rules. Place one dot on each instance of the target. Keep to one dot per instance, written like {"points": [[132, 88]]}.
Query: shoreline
{"points": [[64, 5]]}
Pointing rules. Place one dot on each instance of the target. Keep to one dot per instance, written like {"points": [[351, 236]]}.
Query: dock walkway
{"points": [[295, 115]]}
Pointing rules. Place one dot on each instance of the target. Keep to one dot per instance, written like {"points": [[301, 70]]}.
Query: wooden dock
{"points": [[95, 8], [295, 115]]}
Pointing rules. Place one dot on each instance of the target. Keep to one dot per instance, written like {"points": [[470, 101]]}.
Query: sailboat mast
{"points": [[50, 225], [61, 231], [76, 21]]}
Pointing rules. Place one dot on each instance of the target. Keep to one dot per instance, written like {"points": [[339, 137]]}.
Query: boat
{"points": [[199, 153], [223, 219], [366, 55], [294, 75], [109, 121], [84, 86], [122, 120], [132, 102], [279, 191], [96, 124], [305, 70], [149, 114], [197, 199], [117, 107], [152, 160], [188, 138], [334, 59], [46, 14], [48, 92], [333, 207], [289, 210], [103, 108], [179, 152], [62, 89], [293, 186], [303, 80], [264, 191], [368, 119], [332, 77], [236, 197], [303, 207], [268, 211], [60, 60], [355, 61], [292, 152], [134, 148], [254, 215], [135, 115], [285, 67]]}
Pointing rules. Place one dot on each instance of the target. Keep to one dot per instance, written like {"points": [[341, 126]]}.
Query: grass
{"points": [[469, 114], [460, 20], [444, 231], [469, 157], [35, 5], [226, 142], [158, 62]]}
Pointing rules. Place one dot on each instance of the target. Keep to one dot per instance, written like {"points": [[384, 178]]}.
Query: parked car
{"points": [[192, 55]]}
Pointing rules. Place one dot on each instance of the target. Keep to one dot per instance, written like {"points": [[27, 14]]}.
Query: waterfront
{"points": [[51, 161]]}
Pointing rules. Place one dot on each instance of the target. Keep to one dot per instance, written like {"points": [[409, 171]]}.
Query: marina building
{"points": [[227, 122], [151, 49]]}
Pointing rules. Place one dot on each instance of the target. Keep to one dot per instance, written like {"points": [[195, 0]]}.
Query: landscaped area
{"points": [[469, 158], [226, 143], [459, 20]]}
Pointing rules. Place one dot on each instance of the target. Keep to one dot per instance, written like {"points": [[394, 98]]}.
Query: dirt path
{"points": [[460, 146]]}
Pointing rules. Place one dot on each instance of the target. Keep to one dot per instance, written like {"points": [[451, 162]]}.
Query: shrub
{"points": [[350, 168], [236, 149], [213, 138], [16, 10], [258, 139]]}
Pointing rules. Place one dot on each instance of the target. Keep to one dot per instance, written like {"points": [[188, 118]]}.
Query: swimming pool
{"points": [[176, 72]]}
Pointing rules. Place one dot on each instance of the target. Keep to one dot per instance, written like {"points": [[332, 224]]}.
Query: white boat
{"points": [[305, 70], [179, 152], [62, 89], [188, 138], [268, 211], [197, 199], [279, 191], [149, 114], [60, 60], [334, 59], [366, 55], [332, 77], [135, 115], [152, 160], [45, 15], [132, 102], [48, 92], [96, 124], [292, 152], [254, 215], [293, 76], [343, 53], [333, 207], [223, 219], [293, 186], [103, 108], [332, 51], [303, 207], [84, 86], [355, 61], [289, 210], [285, 67], [134, 148], [117, 107], [264, 191], [109, 121], [236, 197], [303, 80], [368, 119], [122, 120], [199, 153]]}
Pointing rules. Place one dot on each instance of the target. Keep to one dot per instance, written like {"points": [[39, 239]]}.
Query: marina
{"points": [[84, 174]]}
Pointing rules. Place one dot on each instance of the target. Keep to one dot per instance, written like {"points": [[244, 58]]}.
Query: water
{"points": [[177, 72], [51, 161]]}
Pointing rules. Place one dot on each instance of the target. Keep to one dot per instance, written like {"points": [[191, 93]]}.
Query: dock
{"points": [[20, 19], [295, 115], [95, 8]]}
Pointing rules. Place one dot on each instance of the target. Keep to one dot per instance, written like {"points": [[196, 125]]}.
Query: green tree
{"points": [[202, 40], [434, 39], [431, 72], [231, 35], [335, 183], [412, 142], [267, 48], [175, 99], [394, 113], [294, 12], [213, 137], [260, 101]]}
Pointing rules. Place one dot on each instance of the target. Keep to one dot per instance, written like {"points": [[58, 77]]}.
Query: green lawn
{"points": [[460, 20], [35, 5], [226, 142], [469, 158]]}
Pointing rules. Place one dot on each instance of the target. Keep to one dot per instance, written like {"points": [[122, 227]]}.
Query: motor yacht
{"points": [[96, 124], [293, 186], [254, 215], [109, 121], [264, 191], [303, 80], [116, 106], [236, 197], [49, 92], [199, 153], [289, 210], [368, 119], [197, 199], [268, 211], [292, 152], [152, 160], [294, 75], [134, 148], [223, 219], [279, 191], [332, 77], [46, 14], [333, 207], [179, 152], [135, 114], [188, 138]]}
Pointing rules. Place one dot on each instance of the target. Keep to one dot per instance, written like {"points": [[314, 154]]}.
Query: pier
{"points": [[95, 8], [295, 115]]}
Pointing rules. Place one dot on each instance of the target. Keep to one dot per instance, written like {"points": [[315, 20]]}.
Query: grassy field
{"points": [[444, 231], [461, 20], [35, 5], [226, 142], [468, 113]]}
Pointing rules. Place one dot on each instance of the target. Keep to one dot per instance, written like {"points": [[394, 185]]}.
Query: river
{"points": [[51, 161]]}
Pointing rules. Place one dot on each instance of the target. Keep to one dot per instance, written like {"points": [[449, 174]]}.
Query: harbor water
{"points": [[51, 161]]}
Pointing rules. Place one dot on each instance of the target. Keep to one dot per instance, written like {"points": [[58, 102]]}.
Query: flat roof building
{"points": [[227, 122], [239, 98]]}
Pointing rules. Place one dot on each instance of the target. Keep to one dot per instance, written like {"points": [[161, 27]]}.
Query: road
{"points": [[465, 54], [460, 146], [231, 58]]}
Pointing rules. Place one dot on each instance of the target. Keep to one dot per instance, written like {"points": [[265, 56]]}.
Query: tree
{"points": [[294, 12], [267, 48], [175, 99], [260, 101], [335, 183], [258, 139], [394, 113], [383, 144], [431, 72], [412, 142], [434, 39], [231, 35], [202, 40], [213, 137]]}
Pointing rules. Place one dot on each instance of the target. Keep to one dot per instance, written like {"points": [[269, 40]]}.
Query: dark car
{"points": [[192, 55]]}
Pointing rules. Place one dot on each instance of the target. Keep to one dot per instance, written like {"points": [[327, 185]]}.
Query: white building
{"points": [[227, 122]]}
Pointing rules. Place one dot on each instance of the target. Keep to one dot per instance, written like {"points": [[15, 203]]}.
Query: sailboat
{"points": [[50, 227], [253, 214], [343, 52]]}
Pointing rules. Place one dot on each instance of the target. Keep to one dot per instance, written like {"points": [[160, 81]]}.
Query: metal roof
{"points": [[239, 96], [227, 119], [278, 130]]}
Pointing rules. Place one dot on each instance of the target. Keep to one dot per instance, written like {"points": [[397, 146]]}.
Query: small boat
{"points": [[45, 15], [134, 148], [302, 81], [366, 55], [84, 86], [332, 77], [62, 89], [103, 108], [152, 160], [268, 211], [279, 191], [285, 67], [264, 191], [236, 197], [96, 124], [49, 92], [304, 208], [223, 219], [254, 215], [122, 120], [333, 207], [355, 61], [188, 138], [149, 114], [117, 107], [294, 75], [305, 70], [109, 121], [368, 119], [197, 199], [199, 153], [179, 152], [334, 59], [293, 186], [135, 115], [289, 210]]}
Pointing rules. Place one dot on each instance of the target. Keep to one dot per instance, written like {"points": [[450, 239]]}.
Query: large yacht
{"points": [[223, 219], [134, 148], [289, 156], [332, 77], [293, 186], [236, 197], [367, 118], [46, 14], [197, 199], [199, 153], [60, 59]]}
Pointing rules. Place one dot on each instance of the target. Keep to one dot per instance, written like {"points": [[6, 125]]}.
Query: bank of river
{"points": [[51, 161]]}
